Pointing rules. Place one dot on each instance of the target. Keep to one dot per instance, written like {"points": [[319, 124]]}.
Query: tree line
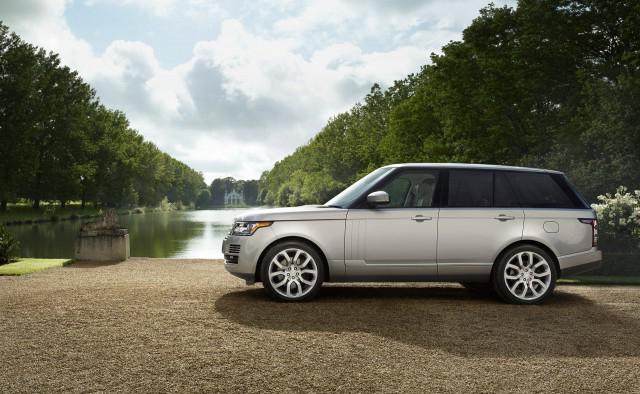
{"points": [[549, 83], [59, 143]]}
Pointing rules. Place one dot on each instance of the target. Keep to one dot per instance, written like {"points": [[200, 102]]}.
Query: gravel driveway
{"points": [[178, 325]]}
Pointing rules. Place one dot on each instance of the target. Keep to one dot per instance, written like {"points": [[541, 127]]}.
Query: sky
{"points": [[231, 87]]}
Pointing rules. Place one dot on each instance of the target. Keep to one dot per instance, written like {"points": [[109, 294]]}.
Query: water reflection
{"points": [[194, 234]]}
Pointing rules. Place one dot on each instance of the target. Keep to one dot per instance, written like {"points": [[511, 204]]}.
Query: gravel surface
{"points": [[186, 325]]}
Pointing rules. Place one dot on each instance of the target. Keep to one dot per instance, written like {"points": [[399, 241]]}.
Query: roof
{"points": [[473, 166]]}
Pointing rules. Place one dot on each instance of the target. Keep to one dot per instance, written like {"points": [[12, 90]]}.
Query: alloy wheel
{"points": [[527, 275], [293, 273]]}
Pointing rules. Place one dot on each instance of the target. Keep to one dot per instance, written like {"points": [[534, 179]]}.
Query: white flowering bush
{"points": [[619, 215]]}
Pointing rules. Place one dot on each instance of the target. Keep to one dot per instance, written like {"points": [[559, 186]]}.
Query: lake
{"points": [[179, 234]]}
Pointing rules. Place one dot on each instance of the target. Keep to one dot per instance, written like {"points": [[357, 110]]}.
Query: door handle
{"points": [[504, 218], [420, 218]]}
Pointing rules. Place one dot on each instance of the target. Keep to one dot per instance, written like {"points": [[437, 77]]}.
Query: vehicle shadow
{"points": [[447, 318]]}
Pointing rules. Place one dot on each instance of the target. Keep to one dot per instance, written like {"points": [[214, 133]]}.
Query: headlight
{"points": [[247, 228]]}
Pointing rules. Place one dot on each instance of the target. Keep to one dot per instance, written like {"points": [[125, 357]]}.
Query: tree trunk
{"points": [[3, 206], [63, 203], [36, 190]]}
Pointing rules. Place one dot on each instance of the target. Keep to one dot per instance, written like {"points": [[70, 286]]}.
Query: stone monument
{"points": [[103, 240]]}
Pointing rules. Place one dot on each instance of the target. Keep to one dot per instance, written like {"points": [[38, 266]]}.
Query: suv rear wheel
{"points": [[525, 275]]}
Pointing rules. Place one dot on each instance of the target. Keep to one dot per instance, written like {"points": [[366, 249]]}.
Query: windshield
{"points": [[350, 194]]}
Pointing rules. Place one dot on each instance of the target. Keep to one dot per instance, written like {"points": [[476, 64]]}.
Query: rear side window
{"points": [[538, 190], [503, 194], [470, 189]]}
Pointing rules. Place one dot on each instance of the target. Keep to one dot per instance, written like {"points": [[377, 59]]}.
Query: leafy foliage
{"points": [[551, 83], [8, 246], [57, 142]]}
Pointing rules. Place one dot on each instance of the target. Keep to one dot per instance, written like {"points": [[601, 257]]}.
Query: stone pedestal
{"points": [[102, 245]]}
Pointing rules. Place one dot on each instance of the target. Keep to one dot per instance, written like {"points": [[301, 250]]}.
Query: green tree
{"points": [[549, 83], [57, 142]]}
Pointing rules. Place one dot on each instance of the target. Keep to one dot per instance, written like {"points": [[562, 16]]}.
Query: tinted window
{"points": [[538, 190], [350, 194], [576, 199], [503, 195], [470, 188], [412, 189]]}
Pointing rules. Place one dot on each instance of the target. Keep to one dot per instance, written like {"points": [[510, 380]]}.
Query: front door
{"points": [[397, 241]]}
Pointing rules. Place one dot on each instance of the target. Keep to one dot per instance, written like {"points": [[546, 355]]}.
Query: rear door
{"points": [[397, 241], [480, 217], [552, 212]]}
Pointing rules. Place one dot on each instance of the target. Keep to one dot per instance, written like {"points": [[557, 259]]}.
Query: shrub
{"points": [[619, 216], [167, 206], [8, 246]]}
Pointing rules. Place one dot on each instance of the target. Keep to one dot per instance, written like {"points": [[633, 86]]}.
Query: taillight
{"points": [[594, 230]]}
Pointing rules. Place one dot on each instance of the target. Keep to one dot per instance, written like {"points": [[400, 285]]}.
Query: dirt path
{"points": [[175, 325]]}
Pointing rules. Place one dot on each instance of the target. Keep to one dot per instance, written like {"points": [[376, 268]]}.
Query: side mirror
{"points": [[378, 198]]}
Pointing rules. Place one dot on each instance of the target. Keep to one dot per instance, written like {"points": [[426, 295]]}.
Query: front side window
{"points": [[412, 189], [353, 192], [470, 188]]}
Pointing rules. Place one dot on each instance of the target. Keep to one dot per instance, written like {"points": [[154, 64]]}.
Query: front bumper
{"points": [[578, 263], [241, 253]]}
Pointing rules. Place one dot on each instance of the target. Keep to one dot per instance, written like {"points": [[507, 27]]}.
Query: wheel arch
{"points": [[527, 242], [312, 244]]}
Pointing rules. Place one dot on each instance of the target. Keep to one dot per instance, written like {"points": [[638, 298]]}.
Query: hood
{"points": [[306, 212]]}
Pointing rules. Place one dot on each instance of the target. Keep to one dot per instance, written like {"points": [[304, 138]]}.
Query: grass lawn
{"points": [[27, 266], [601, 280]]}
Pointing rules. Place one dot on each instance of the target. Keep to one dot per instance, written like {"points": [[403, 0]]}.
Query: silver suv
{"points": [[513, 230]]}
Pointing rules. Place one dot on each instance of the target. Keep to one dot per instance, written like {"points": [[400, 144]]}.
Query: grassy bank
{"points": [[25, 214], [28, 266]]}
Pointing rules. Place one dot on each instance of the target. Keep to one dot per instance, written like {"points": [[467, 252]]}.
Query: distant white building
{"points": [[233, 198]]}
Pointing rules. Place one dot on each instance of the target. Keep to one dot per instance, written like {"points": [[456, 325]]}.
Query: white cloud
{"points": [[245, 99], [165, 8], [383, 16], [42, 22]]}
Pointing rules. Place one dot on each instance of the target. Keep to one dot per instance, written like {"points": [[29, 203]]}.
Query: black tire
{"points": [[290, 248], [482, 288], [530, 283]]}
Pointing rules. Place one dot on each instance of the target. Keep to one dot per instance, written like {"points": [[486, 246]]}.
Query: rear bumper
{"points": [[578, 263]]}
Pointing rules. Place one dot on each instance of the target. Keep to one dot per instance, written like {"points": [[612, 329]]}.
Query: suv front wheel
{"points": [[292, 271], [525, 275]]}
